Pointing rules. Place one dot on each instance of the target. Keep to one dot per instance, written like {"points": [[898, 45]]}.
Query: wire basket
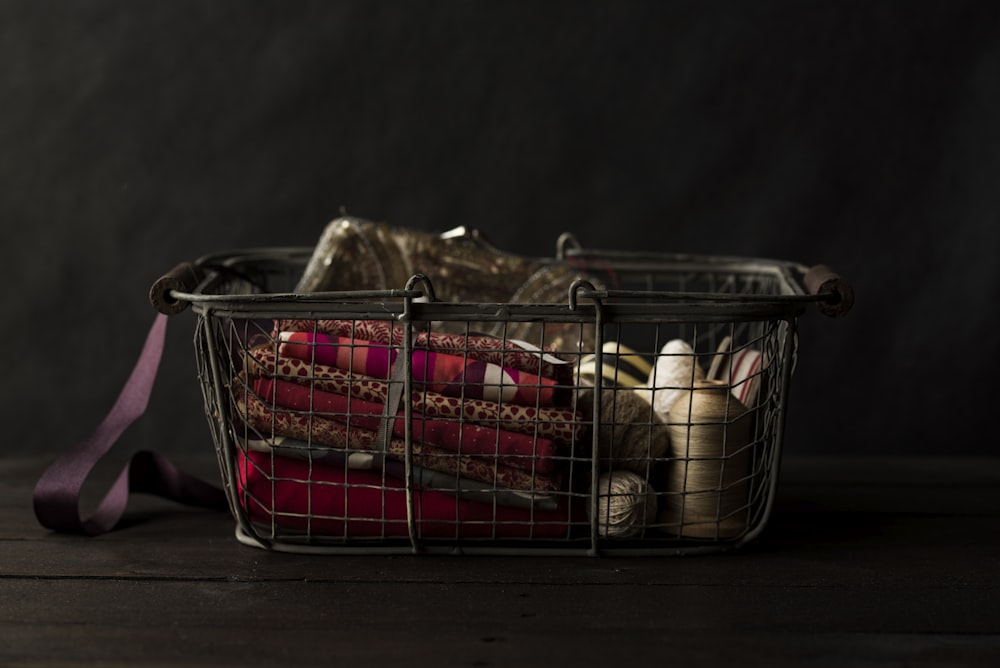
{"points": [[387, 421]]}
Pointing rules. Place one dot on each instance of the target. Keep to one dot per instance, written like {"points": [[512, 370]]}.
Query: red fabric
{"points": [[517, 450], [327, 431], [332, 501], [542, 362], [452, 375], [562, 425]]}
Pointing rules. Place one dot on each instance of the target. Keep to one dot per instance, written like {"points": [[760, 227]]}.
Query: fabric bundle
{"points": [[560, 424], [452, 375], [340, 434], [489, 419], [297, 495], [282, 446], [510, 448], [505, 353]]}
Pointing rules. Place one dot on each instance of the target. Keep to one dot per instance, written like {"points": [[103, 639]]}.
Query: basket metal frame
{"points": [[213, 301]]}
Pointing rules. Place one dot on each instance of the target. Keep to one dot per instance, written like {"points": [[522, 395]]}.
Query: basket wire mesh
{"points": [[385, 421]]}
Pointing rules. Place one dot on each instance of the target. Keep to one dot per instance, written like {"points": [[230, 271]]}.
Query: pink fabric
{"points": [[517, 450], [490, 349], [332, 501], [452, 375], [562, 425], [327, 431]]}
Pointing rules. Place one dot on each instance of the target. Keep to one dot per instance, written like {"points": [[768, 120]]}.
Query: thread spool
{"points": [[675, 373], [630, 435], [709, 478], [626, 504]]}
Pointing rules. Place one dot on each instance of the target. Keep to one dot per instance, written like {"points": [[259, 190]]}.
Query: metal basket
{"points": [[317, 457]]}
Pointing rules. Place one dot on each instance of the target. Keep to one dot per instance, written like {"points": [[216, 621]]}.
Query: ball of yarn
{"points": [[675, 372], [630, 434], [625, 504]]}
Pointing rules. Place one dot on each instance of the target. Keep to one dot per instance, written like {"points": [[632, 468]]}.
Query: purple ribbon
{"points": [[57, 493]]}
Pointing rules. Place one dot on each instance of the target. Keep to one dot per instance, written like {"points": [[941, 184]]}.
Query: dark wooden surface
{"points": [[866, 562]]}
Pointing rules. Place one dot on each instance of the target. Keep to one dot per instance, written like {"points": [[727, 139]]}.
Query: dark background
{"points": [[861, 134]]}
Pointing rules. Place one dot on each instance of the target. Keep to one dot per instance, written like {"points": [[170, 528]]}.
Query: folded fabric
{"points": [[423, 478], [331, 501], [517, 450], [561, 425], [482, 492], [451, 375], [291, 447], [330, 432], [508, 353]]}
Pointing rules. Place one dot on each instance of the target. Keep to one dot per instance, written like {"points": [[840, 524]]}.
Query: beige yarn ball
{"points": [[625, 504], [630, 435]]}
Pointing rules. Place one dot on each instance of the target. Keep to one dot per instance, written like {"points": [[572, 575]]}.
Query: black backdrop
{"points": [[865, 135]]}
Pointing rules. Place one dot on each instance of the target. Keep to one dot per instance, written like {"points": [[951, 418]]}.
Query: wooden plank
{"points": [[889, 554], [874, 484], [832, 527], [305, 623], [893, 566]]}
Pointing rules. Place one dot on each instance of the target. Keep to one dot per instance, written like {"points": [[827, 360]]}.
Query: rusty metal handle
{"points": [[185, 277], [837, 294]]}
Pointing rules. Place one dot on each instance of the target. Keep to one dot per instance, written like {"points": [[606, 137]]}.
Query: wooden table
{"points": [[867, 561]]}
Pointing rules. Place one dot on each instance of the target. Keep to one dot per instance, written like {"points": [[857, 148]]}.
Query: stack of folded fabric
{"points": [[360, 504], [490, 420]]}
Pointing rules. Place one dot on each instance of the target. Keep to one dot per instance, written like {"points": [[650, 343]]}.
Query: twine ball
{"points": [[625, 504], [630, 435], [675, 372]]}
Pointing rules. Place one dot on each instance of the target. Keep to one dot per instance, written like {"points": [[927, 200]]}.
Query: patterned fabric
{"points": [[509, 448], [332, 501], [450, 375], [562, 426], [290, 447], [327, 431], [504, 353], [423, 478]]}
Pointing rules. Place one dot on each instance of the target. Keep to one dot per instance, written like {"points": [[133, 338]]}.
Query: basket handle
{"points": [[836, 294], [185, 277]]}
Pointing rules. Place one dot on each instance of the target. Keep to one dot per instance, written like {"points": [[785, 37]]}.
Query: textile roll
{"points": [[503, 352], [303, 496], [327, 431], [422, 478], [450, 375], [562, 425], [512, 449]]}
